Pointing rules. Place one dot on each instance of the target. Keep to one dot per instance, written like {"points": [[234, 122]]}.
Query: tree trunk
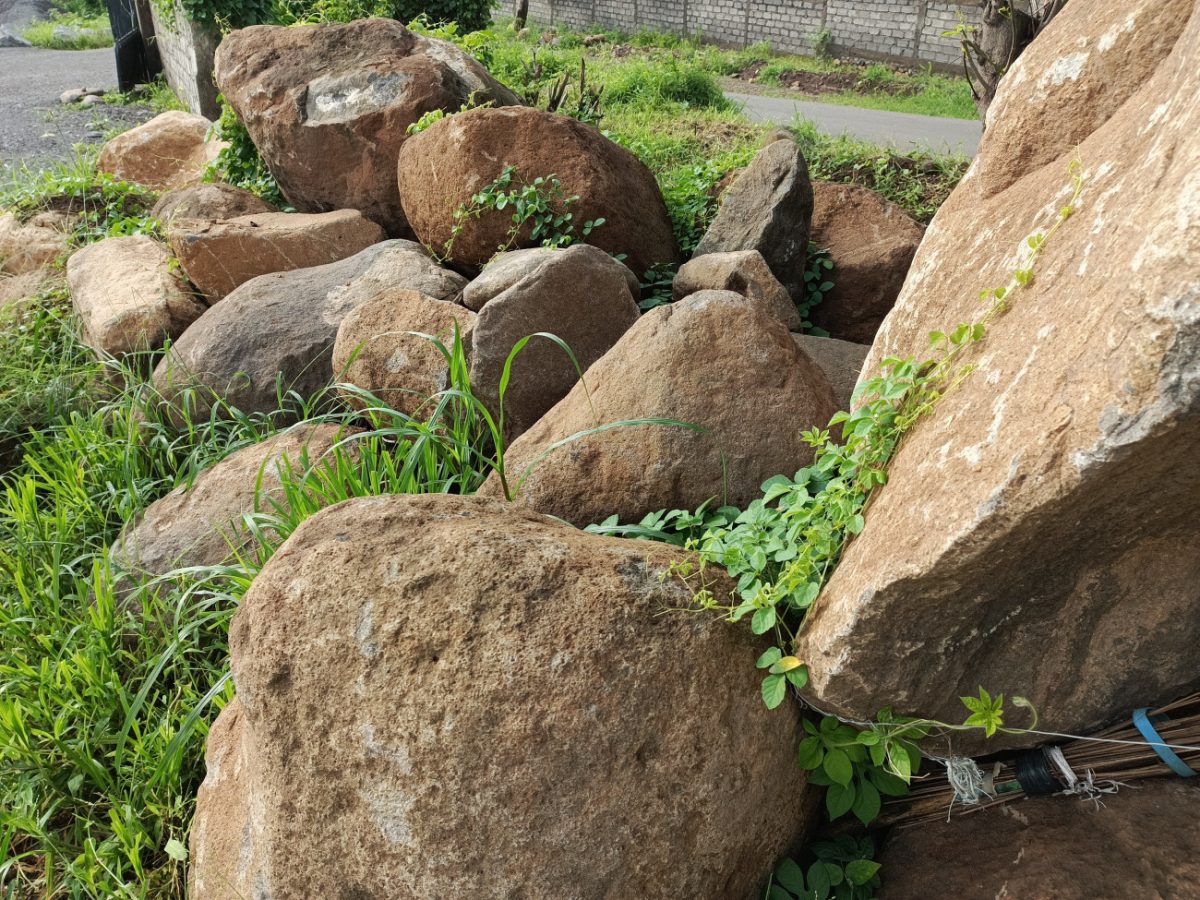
{"points": [[1009, 26], [522, 14]]}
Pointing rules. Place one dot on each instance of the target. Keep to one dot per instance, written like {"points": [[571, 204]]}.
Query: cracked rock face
{"points": [[328, 106], [444, 696], [1037, 535]]}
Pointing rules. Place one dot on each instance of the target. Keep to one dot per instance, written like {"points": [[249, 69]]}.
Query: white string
{"points": [[1088, 789]]}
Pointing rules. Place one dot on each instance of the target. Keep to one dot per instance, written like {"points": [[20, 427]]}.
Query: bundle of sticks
{"points": [[1094, 766]]}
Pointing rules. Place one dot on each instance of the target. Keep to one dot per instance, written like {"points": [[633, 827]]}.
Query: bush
{"points": [[239, 163], [471, 15]]}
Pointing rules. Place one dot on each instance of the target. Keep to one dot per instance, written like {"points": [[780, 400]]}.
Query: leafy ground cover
{"points": [[105, 704]]}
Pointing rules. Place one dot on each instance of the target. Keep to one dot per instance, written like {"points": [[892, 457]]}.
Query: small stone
{"points": [[92, 100]]}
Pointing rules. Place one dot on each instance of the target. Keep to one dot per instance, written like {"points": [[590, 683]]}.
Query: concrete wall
{"points": [[906, 31]]}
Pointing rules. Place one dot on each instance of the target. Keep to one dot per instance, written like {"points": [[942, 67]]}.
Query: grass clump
{"points": [[919, 182], [101, 206], [69, 31]]}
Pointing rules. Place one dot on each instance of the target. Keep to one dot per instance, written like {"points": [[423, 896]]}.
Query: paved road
{"points": [[34, 127], [902, 130]]}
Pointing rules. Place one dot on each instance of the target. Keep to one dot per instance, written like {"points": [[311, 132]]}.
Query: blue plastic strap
{"points": [[1165, 753]]}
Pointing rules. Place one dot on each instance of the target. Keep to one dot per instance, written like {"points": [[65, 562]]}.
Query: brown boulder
{"points": [[768, 208], [442, 696], [280, 328], [328, 106], [1037, 533], [33, 244], [201, 523], [376, 351], [220, 256], [128, 297], [744, 273], [871, 241], [580, 295], [841, 361], [441, 168], [1143, 842], [170, 151], [210, 201], [716, 360]]}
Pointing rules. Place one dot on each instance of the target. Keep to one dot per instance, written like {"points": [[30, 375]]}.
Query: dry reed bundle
{"points": [[1099, 764]]}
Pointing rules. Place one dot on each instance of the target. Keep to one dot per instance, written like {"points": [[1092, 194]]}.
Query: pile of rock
{"points": [[440, 693]]}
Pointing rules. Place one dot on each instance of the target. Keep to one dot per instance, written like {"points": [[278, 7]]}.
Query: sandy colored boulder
{"points": [[716, 360], [1142, 842], [281, 327], [202, 523], [580, 295], [871, 241], [1062, 89], [841, 361], [211, 201], [441, 168], [170, 151], [220, 256], [14, 288], [745, 273], [328, 106], [377, 352], [33, 244], [128, 297], [1037, 534], [445, 697], [506, 269], [768, 208]]}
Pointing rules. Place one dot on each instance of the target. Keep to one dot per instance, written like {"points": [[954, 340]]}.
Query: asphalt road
{"points": [[35, 128], [901, 130]]}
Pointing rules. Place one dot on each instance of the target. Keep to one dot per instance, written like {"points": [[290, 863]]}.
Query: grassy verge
{"points": [[758, 70], [70, 32]]}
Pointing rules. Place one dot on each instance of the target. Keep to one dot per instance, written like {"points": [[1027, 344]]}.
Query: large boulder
{"points": [[211, 201], [871, 241], [441, 168], [442, 696], [380, 348], [220, 256], [580, 295], [745, 273], [1037, 534], [329, 106], [170, 151], [201, 523], [718, 361], [1059, 93], [279, 329], [769, 209], [33, 244], [128, 296], [1142, 842]]}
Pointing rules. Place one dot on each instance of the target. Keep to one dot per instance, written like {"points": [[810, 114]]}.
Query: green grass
{"points": [[104, 705], [96, 33]]}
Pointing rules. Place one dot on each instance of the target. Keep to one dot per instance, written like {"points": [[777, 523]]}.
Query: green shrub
{"points": [[239, 163]]}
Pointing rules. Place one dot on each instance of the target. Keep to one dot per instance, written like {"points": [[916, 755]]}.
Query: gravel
{"points": [[35, 129]]}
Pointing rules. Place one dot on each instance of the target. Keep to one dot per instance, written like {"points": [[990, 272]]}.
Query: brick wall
{"points": [[909, 31]]}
